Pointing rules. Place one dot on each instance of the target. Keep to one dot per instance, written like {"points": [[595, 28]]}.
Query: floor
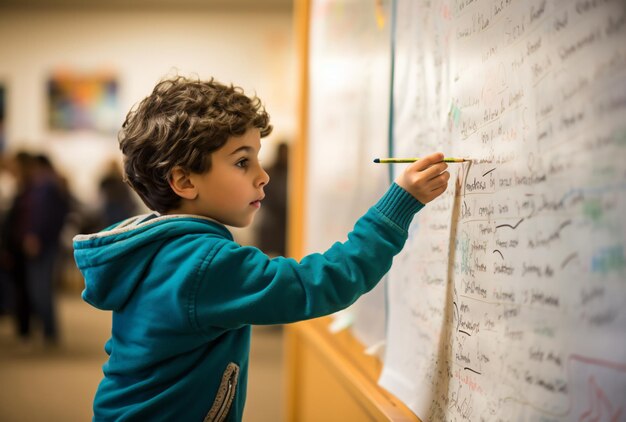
{"points": [[39, 383]]}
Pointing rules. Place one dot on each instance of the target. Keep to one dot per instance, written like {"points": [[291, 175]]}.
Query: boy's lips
{"points": [[257, 202]]}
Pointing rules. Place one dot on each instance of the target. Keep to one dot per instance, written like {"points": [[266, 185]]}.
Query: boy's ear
{"points": [[181, 183]]}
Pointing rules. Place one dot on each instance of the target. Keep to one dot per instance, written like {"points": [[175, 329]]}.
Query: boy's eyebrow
{"points": [[244, 149]]}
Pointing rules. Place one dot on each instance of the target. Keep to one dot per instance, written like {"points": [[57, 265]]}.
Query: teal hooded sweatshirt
{"points": [[183, 296]]}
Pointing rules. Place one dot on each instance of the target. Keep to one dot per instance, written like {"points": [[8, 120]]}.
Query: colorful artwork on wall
{"points": [[83, 101]]}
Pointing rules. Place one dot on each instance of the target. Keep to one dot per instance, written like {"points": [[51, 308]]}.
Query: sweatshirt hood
{"points": [[113, 262]]}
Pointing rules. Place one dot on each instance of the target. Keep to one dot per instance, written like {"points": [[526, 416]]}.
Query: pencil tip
{"points": [[377, 160]]}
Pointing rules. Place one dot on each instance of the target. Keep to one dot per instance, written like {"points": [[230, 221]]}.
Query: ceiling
{"points": [[234, 5]]}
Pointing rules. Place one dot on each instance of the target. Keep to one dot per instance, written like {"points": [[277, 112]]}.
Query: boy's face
{"points": [[231, 192]]}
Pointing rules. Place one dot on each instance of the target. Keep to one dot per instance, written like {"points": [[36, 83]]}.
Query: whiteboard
{"points": [[508, 302], [350, 78]]}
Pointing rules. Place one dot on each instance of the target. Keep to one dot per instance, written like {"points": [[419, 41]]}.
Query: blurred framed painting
{"points": [[83, 101]]}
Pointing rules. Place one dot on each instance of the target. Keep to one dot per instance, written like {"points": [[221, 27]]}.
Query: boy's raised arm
{"points": [[243, 286]]}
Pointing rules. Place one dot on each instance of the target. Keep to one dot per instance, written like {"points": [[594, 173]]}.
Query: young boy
{"points": [[182, 292]]}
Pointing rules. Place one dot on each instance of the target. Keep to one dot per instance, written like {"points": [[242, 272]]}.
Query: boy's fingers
{"points": [[439, 182], [443, 186], [438, 189], [434, 170], [436, 192], [427, 161]]}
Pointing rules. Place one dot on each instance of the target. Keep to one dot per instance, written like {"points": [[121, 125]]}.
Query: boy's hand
{"points": [[426, 178]]}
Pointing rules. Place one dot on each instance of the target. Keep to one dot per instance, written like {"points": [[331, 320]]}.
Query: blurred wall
{"points": [[251, 49]]}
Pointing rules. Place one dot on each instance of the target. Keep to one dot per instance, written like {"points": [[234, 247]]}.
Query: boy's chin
{"points": [[238, 224]]}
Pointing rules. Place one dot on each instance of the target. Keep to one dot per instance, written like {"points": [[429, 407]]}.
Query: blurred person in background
{"points": [[7, 192], [12, 257], [117, 199], [32, 234], [272, 226], [49, 204]]}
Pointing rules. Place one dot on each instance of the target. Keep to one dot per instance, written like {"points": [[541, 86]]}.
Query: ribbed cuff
{"points": [[399, 206]]}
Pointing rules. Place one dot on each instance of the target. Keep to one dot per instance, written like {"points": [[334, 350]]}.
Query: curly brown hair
{"points": [[180, 124]]}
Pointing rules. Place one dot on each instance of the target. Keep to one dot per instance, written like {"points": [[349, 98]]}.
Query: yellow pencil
{"points": [[411, 160]]}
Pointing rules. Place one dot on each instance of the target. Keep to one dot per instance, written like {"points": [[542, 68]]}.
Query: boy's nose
{"points": [[264, 178]]}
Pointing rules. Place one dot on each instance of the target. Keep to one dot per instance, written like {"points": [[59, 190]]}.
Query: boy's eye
{"points": [[243, 163]]}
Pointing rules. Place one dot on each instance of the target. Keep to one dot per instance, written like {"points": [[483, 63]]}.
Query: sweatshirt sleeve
{"points": [[240, 285]]}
